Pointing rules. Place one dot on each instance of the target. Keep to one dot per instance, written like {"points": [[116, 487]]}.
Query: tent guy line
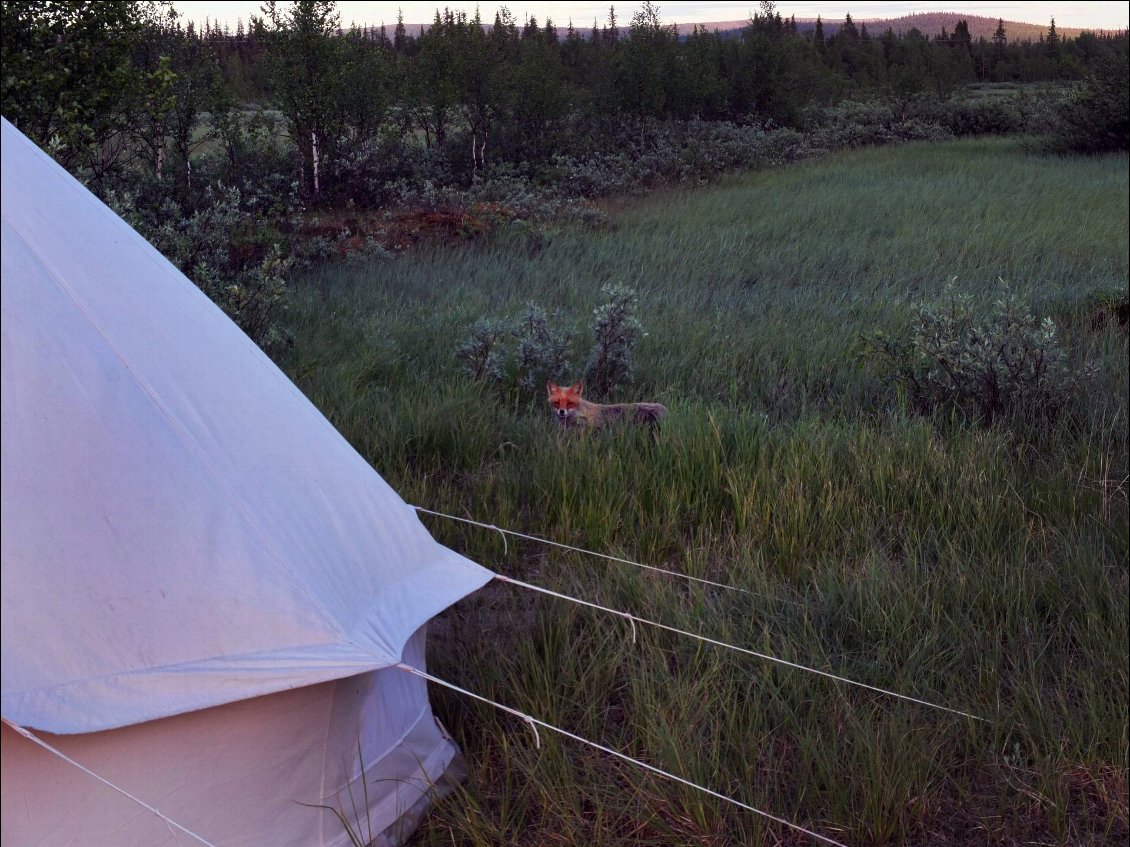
{"points": [[532, 721], [734, 647], [505, 532], [633, 618], [35, 739]]}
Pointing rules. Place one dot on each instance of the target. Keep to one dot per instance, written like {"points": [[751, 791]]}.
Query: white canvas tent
{"points": [[205, 587]]}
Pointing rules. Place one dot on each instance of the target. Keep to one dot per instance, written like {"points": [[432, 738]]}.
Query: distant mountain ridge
{"points": [[932, 23], [928, 23]]}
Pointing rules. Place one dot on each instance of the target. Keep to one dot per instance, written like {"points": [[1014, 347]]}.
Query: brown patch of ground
{"points": [[353, 230]]}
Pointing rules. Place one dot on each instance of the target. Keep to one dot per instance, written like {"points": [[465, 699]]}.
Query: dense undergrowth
{"points": [[976, 564]]}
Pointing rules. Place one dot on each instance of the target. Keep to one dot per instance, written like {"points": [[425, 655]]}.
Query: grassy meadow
{"points": [[982, 569]]}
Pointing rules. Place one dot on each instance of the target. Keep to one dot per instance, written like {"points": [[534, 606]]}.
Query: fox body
{"points": [[572, 410]]}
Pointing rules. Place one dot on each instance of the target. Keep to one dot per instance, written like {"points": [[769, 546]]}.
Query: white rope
{"points": [[748, 652], [666, 774], [532, 724], [169, 821], [505, 532]]}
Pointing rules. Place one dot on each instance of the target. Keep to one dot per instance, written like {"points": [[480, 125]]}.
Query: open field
{"points": [[981, 569]]}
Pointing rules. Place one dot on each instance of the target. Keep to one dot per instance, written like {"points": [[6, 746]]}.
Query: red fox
{"points": [[571, 410]]}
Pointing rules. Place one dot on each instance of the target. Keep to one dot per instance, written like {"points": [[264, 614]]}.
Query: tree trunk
{"points": [[305, 153], [160, 151], [314, 160]]}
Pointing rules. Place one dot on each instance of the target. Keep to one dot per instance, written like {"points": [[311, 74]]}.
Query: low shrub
{"points": [[483, 353], [543, 344], [633, 156], [616, 332], [856, 124], [543, 348], [1006, 365], [996, 116]]}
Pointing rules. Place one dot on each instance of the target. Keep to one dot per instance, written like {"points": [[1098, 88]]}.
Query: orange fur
{"points": [[572, 410]]}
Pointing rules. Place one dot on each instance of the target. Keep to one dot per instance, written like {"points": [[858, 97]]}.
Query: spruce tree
{"points": [[1000, 44], [961, 36], [400, 34], [531, 29], [1000, 40], [612, 31]]}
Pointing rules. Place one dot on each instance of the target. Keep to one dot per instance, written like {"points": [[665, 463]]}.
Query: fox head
{"points": [[565, 401]]}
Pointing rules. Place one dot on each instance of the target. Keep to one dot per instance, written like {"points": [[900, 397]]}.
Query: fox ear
{"points": [[552, 386], [577, 388]]}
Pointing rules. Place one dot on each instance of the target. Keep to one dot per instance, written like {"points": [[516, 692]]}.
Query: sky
{"points": [[1094, 15]]}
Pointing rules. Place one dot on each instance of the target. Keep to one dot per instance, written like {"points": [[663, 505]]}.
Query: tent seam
{"points": [[25, 694], [380, 661], [347, 639]]}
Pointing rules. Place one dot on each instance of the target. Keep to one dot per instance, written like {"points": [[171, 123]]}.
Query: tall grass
{"points": [[984, 569]]}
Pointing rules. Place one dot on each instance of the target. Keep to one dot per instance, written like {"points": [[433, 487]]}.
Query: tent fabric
{"points": [[249, 773], [181, 527], [204, 587]]}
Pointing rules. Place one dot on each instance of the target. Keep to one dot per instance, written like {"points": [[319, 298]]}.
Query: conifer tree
{"points": [[612, 31], [961, 37], [531, 29], [1000, 39], [400, 34], [1051, 44]]}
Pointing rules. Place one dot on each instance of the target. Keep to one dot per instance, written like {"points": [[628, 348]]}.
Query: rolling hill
{"points": [[929, 23]]}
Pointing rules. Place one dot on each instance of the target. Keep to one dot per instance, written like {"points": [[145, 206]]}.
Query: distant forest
{"points": [[702, 68], [516, 81], [83, 75]]}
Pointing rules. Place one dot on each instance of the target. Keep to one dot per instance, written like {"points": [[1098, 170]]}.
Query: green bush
{"points": [[483, 354], [862, 123], [255, 299], [1096, 118], [543, 347], [984, 117], [1006, 365], [543, 351], [616, 332]]}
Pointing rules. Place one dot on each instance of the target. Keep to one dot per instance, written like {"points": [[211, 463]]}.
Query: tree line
{"points": [[102, 83]]}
